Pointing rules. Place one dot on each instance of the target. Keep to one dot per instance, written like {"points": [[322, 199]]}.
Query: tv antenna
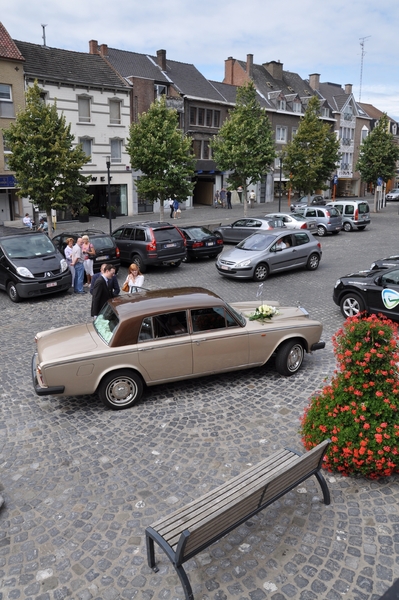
{"points": [[44, 34], [362, 40]]}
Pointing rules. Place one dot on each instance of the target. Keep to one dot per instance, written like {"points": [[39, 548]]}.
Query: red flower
{"points": [[378, 437]]}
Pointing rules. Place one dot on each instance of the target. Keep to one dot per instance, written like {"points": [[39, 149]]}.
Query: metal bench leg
{"points": [[324, 487], [188, 592], [151, 553]]}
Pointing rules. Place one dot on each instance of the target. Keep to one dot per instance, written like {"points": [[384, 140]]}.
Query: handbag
{"points": [[178, 211], [125, 287]]}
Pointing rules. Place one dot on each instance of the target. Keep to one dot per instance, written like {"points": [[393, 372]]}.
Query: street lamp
{"points": [[108, 163], [279, 189]]}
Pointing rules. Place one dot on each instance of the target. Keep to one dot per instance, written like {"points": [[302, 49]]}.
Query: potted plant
{"points": [[113, 211], [84, 214]]}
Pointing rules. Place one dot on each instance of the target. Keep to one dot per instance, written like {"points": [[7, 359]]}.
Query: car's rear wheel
{"points": [[321, 231], [13, 292], [347, 226], [261, 272], [121, 389], [289, 358], [351, 305], [313, 262], [176, 264], [137, 260]]}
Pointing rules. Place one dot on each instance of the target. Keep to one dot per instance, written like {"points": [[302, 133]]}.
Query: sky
{"points": [[307, 36]]}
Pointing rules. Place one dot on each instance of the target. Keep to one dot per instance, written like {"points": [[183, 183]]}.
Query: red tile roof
{"points": [[8, 48]]}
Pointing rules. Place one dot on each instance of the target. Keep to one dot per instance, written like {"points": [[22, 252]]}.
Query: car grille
{"points": [[226, 262], [48, 274]]}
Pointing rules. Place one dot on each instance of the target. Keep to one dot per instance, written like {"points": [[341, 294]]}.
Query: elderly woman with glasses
{"points": [[134, 278]]}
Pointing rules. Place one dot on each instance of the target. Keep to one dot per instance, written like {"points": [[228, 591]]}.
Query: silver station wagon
{"points": [[159, 336], [269, 252]]}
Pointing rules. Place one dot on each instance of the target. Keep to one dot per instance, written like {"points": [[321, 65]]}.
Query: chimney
{"points": [[348, 88], [93, 47], [250, 65], [314, 81], [161, 59], [104, 50], [229, 71], [275, 68]]}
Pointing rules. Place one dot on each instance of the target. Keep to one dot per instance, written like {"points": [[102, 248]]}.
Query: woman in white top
{"points": [[134, 278], [68, 256], [88, 254]]}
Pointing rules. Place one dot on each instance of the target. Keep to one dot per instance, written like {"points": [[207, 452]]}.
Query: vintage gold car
{"points": [[154, 337]]}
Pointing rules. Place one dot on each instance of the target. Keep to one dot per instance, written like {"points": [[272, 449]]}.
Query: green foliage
{"points": [[162, 153], [358, 410], [244, 144], [311, 157], [46, 164], [378, 154]]}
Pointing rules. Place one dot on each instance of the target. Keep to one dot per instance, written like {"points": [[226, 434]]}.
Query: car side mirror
{"points": [[378, 280]]}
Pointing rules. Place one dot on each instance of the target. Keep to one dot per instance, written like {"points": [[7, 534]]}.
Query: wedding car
{"points": [[159, 336]]}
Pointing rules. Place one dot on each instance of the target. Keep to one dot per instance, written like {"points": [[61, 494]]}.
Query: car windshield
{"points": [[256, 242], [240, 317], [28, 247], [106, 323]]}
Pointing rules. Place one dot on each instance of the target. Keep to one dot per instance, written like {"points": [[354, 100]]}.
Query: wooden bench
{"points": [[189, 530]]}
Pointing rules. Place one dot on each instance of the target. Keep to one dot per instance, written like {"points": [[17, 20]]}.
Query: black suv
{"points": [[104, 245], [30, 265], [150, 243]]}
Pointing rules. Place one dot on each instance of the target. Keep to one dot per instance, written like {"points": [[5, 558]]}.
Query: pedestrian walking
{"points": [[102, 290], [172, 208], [176, 208], [68, 253], [216, 199], [252, 197], [222, 197], [113, 282], [228, 197], [77, 262]]}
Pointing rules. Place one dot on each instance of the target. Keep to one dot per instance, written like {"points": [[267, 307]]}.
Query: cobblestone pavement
{"points": [[81, 483]]}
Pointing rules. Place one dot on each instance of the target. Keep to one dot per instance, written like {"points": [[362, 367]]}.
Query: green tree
{"points": [[311, 157], [159, 149], [244, 145], [378, 155], [46, 164]]}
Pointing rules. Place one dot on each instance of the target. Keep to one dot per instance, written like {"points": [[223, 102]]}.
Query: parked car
{"points": [[104, 245], [385, 263], [150, 243], [239, 230], [263, 253], [371, 291], [393, 194], [316, 200], [328, 219], [30, 265], [295, 221], [155, 337], [355, 213], [201, 242]]}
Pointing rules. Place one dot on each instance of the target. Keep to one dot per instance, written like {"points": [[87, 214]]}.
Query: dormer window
{"points": [[297, 106], [160, 90], [282, 105]]}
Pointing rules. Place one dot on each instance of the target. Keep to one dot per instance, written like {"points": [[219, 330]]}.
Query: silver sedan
{"points": [[295, 221]]}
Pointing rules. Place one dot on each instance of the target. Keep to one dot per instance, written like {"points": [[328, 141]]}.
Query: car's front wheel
{"points": [[289, 358], [13, 292], [121, 389], [351, 305], [313, 262], [261, 272], [347, 226]]}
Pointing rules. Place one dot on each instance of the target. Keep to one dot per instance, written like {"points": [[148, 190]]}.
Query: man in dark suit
{"points": [[114, 284], [102, 290]]}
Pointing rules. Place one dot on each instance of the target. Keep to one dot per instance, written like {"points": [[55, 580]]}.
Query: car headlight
{"points": [[244, 263], [337, 283], [63, 265], [24, 272]]}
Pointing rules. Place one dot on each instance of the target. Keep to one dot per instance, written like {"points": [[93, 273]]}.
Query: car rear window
{"points": [[198, 233], [363, 208], [333, 212], [166, 234], [102, 242]]}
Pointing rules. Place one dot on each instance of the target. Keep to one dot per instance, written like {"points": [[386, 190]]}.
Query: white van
{"points": [[355, 213]]}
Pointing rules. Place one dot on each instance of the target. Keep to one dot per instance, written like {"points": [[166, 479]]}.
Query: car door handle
{"points": [[198, 342], [145, 349]]}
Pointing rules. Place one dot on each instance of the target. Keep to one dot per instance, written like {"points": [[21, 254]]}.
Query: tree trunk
{"points": [[50, 225], [161, 210]]}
